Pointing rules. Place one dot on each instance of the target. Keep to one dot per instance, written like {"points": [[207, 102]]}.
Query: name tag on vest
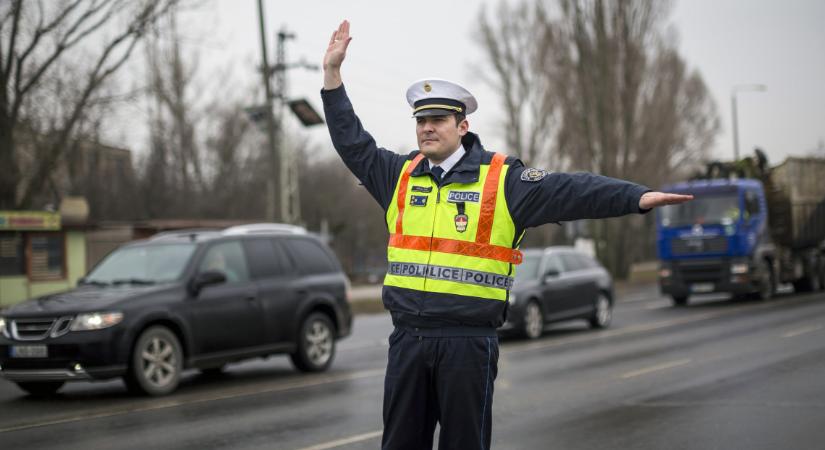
{"points": [[463, 196]]}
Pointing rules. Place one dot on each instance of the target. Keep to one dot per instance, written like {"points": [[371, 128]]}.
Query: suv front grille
{"points": [[40, 328]]}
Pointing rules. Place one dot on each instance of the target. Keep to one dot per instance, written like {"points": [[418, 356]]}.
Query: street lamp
{"points": [[741, 88]]}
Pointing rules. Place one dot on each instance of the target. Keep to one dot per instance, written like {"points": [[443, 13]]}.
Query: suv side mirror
{"points": [[204, 279]]}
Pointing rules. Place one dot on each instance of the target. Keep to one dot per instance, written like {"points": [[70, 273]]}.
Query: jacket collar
{"points": [[467, 168]]}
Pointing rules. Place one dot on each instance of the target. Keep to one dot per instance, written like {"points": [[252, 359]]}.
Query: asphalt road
{"points": [[718, 374]]}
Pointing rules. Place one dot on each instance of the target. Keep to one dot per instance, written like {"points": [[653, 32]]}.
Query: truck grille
{"points": [[696, 271], [692, 246], [40, 328]]}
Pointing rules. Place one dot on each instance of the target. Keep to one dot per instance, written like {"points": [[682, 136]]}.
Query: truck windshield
{"points": [[719, 209], [142, 264]]}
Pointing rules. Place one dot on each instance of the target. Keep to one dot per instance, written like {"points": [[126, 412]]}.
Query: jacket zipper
{"points": [[432, 233]]}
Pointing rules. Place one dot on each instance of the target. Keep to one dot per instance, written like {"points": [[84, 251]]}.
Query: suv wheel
{"points": [[602, 312], [156, 364], [40, 388], [533, 320], [316, 344]]}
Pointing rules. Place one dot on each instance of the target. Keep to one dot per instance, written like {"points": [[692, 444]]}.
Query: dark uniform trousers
{"points": [[445, 380]]}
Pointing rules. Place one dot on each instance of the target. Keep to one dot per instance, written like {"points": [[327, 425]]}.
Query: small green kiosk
{"points": [[38, 255]]}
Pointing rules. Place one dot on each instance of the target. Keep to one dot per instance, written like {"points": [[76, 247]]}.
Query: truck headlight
{"points": [[739, 268], [664, 272], [96, 321]]}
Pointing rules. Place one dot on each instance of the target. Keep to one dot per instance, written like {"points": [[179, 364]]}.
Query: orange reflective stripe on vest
{"points": [[402, 192], [488, 206], [475, 249]]}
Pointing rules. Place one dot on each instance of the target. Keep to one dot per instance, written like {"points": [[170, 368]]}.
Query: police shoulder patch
{"points": [[532, 174]]}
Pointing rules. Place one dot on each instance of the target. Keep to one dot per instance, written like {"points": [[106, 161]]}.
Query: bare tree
{"points": [[516, 46], [34, 39], [175, 115], [626, 104]]}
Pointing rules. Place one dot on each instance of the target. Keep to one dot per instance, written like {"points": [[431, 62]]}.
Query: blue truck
{"points": [[748, 229]]}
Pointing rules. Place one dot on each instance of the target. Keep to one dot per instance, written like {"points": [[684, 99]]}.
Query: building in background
{"points": [[39, 254]]}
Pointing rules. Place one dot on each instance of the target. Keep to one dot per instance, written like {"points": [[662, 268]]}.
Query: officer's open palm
{"points": [[656, 199], [337, 49]]}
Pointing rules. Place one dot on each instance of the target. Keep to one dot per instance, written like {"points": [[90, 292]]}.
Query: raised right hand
{"points": [[337, 49]]}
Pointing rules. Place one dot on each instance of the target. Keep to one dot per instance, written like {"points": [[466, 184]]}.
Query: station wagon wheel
{"points": [[316, 344], [533, 320], [602, 312], [157, 362]]}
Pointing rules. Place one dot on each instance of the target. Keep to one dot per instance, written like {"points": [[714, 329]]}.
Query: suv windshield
{"points": [[702, 210], [529, 268], [143, 264]]}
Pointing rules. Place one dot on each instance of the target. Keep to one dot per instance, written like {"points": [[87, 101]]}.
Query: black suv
{"points": [[185, 299]]}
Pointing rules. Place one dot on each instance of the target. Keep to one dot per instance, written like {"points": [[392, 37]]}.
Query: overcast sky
{"points": [[778, 44]]}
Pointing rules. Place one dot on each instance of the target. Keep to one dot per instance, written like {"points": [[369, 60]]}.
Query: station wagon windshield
{"points": [[529, 268], [143, 264], [702, 210]]}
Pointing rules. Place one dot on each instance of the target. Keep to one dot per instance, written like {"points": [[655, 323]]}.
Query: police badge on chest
{"points": [[461, 219]]}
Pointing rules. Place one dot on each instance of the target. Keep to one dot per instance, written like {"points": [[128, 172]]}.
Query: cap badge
{"points": [[427, 87]]}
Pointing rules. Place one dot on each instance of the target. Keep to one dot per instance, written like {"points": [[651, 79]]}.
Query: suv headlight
{"points": [[96, 321]]}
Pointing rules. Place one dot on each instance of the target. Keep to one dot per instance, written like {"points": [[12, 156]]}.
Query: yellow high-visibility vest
{"points": [[456, 239]]}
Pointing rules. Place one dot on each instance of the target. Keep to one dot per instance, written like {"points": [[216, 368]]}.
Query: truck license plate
{"points": [[699, 288], [29, 351]]}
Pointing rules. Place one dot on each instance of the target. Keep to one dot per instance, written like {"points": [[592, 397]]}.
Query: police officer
{"points": [[456, 214]]}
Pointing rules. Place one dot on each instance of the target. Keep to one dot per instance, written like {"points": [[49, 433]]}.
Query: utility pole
{"points": [[290, 198], [272, 213]]}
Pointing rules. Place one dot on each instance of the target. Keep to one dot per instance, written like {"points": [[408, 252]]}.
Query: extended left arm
{"points": [[534, 199]]}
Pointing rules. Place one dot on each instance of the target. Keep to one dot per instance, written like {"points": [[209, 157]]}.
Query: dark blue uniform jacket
{"points": [[555, 197]]}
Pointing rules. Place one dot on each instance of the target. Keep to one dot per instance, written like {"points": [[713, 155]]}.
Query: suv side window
{"points": [[227, 257], [309, 256], [266, 258]]}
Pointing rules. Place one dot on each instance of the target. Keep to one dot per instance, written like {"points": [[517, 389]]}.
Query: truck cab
{"points": [[719, 242]]}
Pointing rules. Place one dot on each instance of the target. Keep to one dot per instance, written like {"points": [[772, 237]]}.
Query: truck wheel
{"points": [[680, 300], [316, 344], [767, 282], [817, 272], [808, 283], [157, 362]]}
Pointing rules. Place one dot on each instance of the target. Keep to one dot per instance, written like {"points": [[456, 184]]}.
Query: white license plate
{"points": [[698, 288], [29, 351]]}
